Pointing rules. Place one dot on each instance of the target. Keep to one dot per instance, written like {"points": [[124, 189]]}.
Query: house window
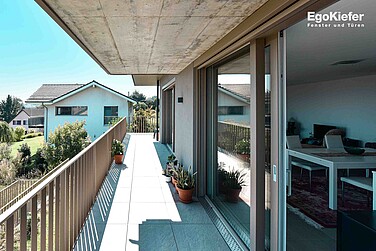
{"points": [[71, 110], [110, 112], [16, 122], [230, 110], [25, 122]]}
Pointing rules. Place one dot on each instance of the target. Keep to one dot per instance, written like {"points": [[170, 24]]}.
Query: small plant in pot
{"points": [[242, 149], [222, 173], [233, 183], [185, 184], [117, 151], [174, 174]]}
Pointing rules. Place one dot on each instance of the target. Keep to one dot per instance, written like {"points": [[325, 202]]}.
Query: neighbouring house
{"points": [[93, 102], [233, 103], [29, 118]]}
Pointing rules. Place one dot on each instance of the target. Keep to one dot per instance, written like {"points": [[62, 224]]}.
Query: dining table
{"points": [[334, 159]]}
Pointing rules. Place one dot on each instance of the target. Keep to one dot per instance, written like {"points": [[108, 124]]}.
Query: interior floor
{"points": [[302, 236]]}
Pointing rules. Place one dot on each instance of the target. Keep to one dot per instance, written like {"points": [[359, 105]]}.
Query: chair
{"points": [[293, 142], [333, 141], [365, 183]]}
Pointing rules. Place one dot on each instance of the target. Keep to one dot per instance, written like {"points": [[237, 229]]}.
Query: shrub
{"points": [[18, 133], [6, 134], [242, 147], [39, 161], [5, 151], [24, 150], [65, 142], [32, 135], [114, 121], [7, 171]]}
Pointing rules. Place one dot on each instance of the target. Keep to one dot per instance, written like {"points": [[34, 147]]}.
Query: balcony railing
{"points": [[146, 124], [229, 134], [59, 205]]}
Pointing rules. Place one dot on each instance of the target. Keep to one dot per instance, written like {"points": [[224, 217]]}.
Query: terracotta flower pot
{"points": [[185, 196], [118, 159], [232, 195]]}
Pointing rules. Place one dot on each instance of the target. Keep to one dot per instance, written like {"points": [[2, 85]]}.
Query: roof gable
{"points": [[44, 95], [49, 92], [239, 91]]}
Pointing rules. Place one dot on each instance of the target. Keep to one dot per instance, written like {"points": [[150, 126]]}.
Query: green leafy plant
{"points": [[117, 147], [6, 134], [242, 146], [65, 142], [234, 179], [114, 121], [185, 178], [18, 133]]}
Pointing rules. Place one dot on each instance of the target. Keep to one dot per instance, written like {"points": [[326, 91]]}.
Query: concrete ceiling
{"points": [[149, 36], [311, 52]]}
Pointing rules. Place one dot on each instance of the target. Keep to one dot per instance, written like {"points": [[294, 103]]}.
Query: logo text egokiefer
{"points": [[334, 16]]}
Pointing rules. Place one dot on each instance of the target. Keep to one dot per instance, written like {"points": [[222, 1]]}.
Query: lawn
{"points": [[33, 143]]}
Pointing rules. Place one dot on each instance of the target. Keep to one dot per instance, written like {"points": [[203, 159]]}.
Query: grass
{"points": [[33, 143]]}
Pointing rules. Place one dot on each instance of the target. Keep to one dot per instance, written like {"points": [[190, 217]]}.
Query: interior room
{"points": [[331, 85]]}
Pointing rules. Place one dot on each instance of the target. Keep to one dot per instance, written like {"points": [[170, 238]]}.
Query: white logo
{"points": [[335, 19]]}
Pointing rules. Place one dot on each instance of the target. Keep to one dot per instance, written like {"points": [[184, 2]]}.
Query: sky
{"points": [[34, 50]]}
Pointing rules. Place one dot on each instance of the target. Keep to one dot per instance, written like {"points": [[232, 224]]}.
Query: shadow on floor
{"points": [[163, 152], [91, 234]]}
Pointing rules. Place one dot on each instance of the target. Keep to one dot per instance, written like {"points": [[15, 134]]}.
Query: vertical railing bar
{"points": [[34, 223], [57, 214], [72, 202], [23, 227], [63, 212], [51, 203], [43, 220], [10, 233]]}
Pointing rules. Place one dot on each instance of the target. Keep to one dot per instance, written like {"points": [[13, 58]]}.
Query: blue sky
{"points": [[34, 50]]}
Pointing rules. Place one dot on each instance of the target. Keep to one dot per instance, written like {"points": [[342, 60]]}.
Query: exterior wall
{"points": [[348, 103], [95, 99], [184, 115], [227, 100], [21, 116]]}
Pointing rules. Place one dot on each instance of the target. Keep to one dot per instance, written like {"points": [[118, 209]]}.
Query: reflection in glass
{"points": [[231, 192]]}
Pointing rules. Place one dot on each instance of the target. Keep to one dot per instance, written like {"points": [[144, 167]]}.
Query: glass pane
{"points": [[267, 147], [230, 192]]}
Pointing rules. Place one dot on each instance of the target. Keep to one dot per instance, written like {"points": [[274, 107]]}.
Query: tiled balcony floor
{"points": [[137, 210]]}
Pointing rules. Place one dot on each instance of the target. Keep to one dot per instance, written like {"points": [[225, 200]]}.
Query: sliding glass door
{"points": [[229, 174]]}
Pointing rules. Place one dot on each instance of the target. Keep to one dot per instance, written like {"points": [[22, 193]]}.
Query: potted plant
{"points": [[174, 174], [117, 151], [242, 149], [222, 173], [185, 184], [166, 174], [233, 184]]}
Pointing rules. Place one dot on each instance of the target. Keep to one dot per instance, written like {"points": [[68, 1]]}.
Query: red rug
{"points": [[315, 203]]}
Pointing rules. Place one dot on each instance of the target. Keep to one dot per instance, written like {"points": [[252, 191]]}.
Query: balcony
{"points": [[98, 205]]}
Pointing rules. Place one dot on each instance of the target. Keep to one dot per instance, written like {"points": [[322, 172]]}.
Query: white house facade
{"points": [[20, 120], [93, 103]]}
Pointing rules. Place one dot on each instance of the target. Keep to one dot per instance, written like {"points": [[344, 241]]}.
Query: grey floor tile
{"points": [[196, 237], [147, 236]]}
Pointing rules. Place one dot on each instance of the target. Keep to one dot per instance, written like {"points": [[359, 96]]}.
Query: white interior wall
{"points": [[349, 103]]}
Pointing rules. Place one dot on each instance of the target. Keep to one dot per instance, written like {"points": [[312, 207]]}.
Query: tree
{"points": [[65, 142], [6, 134], [151, 102], [138, 96], [10, 107]]}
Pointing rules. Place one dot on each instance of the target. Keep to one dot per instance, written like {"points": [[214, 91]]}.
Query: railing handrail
{"points": [[234, 124], [9, 212]]}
